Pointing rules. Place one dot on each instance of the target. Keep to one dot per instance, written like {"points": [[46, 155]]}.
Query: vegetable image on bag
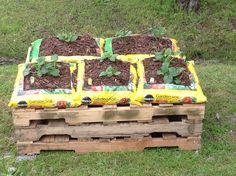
{"points": [[69, 46], [164, 78], [45, 85], [106, 81]]}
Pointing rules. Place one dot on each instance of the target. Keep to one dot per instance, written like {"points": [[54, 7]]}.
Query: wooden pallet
{"points": [[108, 113], [107, 145], [176, 124], [109, 128]]}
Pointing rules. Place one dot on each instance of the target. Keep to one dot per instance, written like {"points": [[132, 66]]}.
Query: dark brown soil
{"points": [[63, 81], [139, 45], [84, 45], [94, 67], [151, 67]]}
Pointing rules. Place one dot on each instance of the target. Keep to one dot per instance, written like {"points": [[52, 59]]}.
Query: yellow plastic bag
{"points": [[133, 58], [105, 95], [40, 98], [169, 93]]}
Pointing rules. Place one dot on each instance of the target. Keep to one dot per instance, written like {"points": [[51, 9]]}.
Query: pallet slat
{"points": [[76, 116], [182, 128], [190, 143]]}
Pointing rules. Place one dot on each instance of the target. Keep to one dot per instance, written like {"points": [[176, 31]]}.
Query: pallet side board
{"points": [[35, 132], [76, 116], [190, 143]]}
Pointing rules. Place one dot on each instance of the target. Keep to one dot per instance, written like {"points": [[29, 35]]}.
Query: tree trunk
{"points": [[189, 5]]}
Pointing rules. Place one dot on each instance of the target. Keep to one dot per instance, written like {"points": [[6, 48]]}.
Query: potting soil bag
{"points": [[134, 57], [40, 98], [104, 94], [35, 51], [169, 93]]}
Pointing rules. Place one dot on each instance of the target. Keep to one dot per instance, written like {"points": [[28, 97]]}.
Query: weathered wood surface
{"points": [[126, 129], [85, 114], [29, 148]]}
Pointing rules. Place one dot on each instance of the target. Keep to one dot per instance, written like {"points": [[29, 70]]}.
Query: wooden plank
{"points": [[29, 148], [107, 130], [76, 116]]}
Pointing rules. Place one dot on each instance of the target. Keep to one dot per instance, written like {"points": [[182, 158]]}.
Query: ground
{"points": [[209, 38]]}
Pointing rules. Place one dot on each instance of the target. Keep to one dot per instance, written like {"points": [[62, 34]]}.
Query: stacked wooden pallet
{"points": [[109, 128]]}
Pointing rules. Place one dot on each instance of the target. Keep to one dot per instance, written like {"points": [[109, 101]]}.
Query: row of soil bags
{"points": [[134, 70]]}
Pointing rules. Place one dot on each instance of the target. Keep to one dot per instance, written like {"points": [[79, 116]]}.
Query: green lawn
{"points": [[208, 35], [209, 38]]}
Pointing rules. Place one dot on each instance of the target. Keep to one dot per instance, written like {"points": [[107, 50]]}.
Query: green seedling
{"points": [[109, 56], [167, 54], [170, 73], [44, 68], [123, 33], [157, 32], [110, 71], [67, 37]]}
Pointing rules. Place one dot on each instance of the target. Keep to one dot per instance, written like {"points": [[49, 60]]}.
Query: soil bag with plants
{"points": [[67, 45], [45, 85], [165, 78], [136, 45], [106, 81]]}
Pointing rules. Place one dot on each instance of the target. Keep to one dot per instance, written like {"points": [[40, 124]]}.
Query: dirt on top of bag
{"points": [[94, 67], [84, 45], [139, 44]]}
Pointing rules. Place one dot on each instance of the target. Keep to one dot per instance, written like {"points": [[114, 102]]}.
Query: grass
{"points": [[208, 35], [205, 36]]}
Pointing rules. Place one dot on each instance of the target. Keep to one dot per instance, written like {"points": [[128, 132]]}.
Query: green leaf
{"points": [[39, 73], [109, 69], [123, 33], [177, 81], [54, 72], [67, 37], [168, 79], [74, 38], [26, 71], [44, 70], [159, 72], [165, 67], [54, 58], [168, 52], [159, 56], [113, 58], [103, 74], [117, 73], [105, 56], [173, 71], [179, 71], [41, 60]]}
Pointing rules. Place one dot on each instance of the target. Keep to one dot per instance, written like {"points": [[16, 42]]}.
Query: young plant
{"points": [[164, 55], [44, 68], [67, 37], [109, 56], [170, 73], [167, 54], [110, 71], [157, 32], [123, 33]]}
